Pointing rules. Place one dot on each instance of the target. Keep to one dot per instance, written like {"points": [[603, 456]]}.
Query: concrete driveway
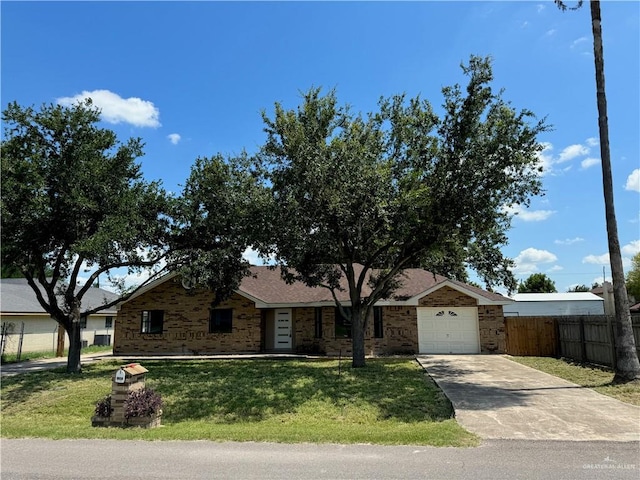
{"points": [[497, 398]]}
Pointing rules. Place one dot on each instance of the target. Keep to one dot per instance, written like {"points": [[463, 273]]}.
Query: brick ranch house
{"points": [[427, 314]]}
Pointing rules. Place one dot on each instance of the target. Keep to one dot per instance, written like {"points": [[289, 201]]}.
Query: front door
{"points": [[282, 339]]}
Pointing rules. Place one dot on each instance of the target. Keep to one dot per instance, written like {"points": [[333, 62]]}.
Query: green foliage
{"points": [[10, 271], [562, 5], [362, 197], [74, 198], [391, 401], [633, 278], [579, 288], [212, 221], [537, 283]]}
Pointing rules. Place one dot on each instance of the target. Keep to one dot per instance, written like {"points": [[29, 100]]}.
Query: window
{"points": [[318, 318], [221, 320], [152, 321], [83, 321], [108, 322], [377, 322], [343, 325]]}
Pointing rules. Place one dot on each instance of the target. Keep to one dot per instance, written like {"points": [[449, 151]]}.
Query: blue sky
{"points": [[191, 78]]}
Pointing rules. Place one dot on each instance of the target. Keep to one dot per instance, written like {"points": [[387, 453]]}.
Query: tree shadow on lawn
{"points": [[19, 388], [229, 391]]}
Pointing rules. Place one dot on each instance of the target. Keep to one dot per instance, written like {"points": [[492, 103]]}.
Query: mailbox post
{"points": [[126, 379]]}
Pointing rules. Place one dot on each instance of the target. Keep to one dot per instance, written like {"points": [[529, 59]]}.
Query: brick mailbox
{"points": [[128, 378]]}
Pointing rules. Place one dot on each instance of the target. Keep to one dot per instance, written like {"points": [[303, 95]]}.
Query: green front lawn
{"points": [[391, 401], [591, 376]]}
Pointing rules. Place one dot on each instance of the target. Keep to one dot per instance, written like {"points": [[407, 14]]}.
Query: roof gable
{"points": [[481, 296]]}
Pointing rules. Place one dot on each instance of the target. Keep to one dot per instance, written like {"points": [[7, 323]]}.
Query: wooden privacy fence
{"points": [[584, 338], [532, 336]]}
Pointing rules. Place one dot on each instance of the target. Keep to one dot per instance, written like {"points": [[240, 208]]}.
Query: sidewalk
{"points": [[49, 363]]}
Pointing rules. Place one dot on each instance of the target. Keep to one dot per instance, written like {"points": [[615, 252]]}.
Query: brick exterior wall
{"points": [[186, 326], [493, 337], [400, 334], [447, 297]]}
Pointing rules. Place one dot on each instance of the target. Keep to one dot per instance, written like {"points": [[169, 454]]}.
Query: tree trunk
{"points": [[60, 344], [628, 367], [357, 338], [75, 347]]}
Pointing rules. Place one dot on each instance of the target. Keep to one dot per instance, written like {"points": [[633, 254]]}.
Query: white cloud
{"points": [[571, 152], [633, 181], [578, 41], [533, 255], [527, 261], [528, 215], [548, 161], [174, 138], [551, 32], [568, 241], [555, 268], [630, 249], [627, 251], [589, 162], [115, 109], [540, 7], [597, 259]]}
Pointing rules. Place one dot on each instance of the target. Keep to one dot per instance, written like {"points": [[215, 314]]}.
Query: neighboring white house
{"points": [[21, 315], [554, 304]]}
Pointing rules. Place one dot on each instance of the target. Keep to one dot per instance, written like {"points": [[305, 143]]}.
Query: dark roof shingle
{"points": [[266, 284]]}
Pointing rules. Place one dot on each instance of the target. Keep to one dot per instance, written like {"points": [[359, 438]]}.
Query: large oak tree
{"points": [[360, 198], [74, 203], [213, 221]]}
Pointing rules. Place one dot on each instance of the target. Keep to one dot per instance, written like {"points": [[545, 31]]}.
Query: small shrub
{"points": [[142, 403], [103, 407]]}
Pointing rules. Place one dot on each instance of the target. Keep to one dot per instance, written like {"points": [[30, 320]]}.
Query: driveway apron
{"points": [[496, 398]]}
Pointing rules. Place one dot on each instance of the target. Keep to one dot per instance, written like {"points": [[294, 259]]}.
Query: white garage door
{"points": [[448, 330]]}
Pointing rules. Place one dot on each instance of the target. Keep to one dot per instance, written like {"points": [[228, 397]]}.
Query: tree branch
{"points": [[52, 308], [101, 270], [128, 295]]}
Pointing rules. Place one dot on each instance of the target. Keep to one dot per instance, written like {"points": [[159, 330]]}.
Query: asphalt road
{"points": [[39, 459]]}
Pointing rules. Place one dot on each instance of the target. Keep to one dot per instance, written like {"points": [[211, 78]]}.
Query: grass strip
{"points": [[595, 377]]}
